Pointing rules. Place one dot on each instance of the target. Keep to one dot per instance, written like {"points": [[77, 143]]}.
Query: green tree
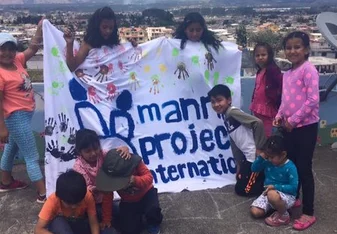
{"points": [[241, 35], [267, 36]]}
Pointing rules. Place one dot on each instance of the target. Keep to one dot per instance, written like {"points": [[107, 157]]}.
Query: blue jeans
{"points": [[60, 225]]}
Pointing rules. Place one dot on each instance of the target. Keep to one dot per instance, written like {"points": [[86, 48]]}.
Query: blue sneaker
{"points": [[153, 229]]}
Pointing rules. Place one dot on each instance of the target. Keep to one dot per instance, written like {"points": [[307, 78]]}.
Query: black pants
{"points": [[248, 183], [300, 145], [131, 213], [61, 225]]}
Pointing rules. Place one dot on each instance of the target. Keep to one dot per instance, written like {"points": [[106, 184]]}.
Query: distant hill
{"points": [[181, 2]]}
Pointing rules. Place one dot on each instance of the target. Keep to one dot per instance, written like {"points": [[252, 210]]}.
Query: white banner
{"points": [[152, 98]]}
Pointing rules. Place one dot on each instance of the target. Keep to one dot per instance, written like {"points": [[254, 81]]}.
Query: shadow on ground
{"points": [[214, 211]]}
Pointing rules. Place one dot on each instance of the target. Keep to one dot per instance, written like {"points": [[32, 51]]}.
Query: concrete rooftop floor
{"points": [[214, 211]]}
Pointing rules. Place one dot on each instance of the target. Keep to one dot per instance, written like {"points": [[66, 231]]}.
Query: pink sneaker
{"points": [[14, 185], [297, 203], [276, 219]]}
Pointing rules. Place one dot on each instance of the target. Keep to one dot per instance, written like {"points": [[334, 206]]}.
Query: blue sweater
{"points": [[284, 177]]}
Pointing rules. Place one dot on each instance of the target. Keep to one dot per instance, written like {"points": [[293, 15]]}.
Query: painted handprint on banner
{"points": [[55, 88], [111, 67], [210, 61], [102, 74], [120, 48], [64, 121], [111, 91], [137, 54], [83, 76], [155, 84], [122, 66], [93, 97], [72, 136], [133, 81], [181, 67], [50, 126], [53, 149]]}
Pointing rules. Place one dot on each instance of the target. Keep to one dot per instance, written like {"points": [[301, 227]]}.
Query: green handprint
{"points": [[56, 84], [216, 78], [195, 60], [55, 52], [207, 76], [229, 80], [55, 88], [175, 52], [63, 68]]}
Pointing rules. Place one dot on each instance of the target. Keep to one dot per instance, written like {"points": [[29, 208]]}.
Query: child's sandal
{"points": [[304, 222]]}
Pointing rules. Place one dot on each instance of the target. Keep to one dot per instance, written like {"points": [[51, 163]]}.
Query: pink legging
{"points": [[267, 123]]}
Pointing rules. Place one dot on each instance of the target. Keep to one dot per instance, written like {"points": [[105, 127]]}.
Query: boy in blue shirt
{"points": [[281, 182]]}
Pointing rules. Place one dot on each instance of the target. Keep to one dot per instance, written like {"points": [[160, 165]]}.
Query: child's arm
{"points": [[311, 83], [143, 178], [34, 43], [259, 164], [3, 129], [253, 123], [77, 168], [74, 61], [92, 215], [124, 152], [107, 210], [41, 227], [290, 188], [46, 214], [94, 226]]}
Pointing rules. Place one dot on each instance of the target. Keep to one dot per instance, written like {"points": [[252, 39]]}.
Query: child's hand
{"points": [[39, 25], [258, 152], [104, 225], [133, 42], [263, 155], [277, 122], [267, 189], [68, 36], [124, 152], [4, 135], [288, 126]]}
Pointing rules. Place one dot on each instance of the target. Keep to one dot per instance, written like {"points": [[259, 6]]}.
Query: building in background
{"points": [[138, 34], [155, 32], [320, 47]]}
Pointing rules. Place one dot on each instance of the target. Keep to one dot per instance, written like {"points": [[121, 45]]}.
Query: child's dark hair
{"points": [[93, 35], [71, 187], [270, 52], [220, 90], [301, 35], [86, 138], [275, 145], [207, 38]]}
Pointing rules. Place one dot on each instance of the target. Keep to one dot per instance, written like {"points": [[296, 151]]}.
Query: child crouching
{"points": [[134, 183], [71, 209], [281, 181]]}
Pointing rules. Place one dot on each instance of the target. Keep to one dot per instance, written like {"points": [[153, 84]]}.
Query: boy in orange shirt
{"points": [[133, 182], [70, 210]]}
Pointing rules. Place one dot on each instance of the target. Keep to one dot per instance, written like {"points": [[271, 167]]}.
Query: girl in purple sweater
{"points": [[298, 114]]}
